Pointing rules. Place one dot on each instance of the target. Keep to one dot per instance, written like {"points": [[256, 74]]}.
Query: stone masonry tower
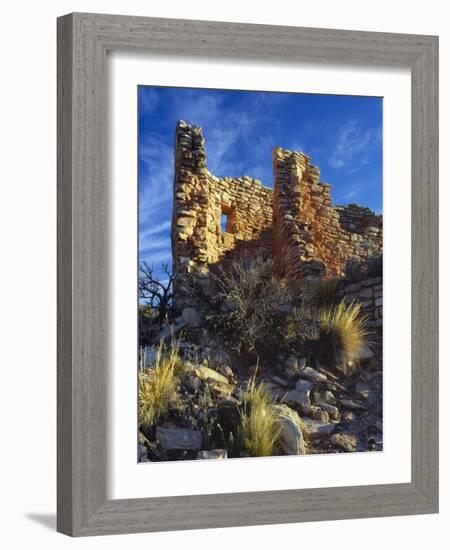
{"points": [[216, 219]]}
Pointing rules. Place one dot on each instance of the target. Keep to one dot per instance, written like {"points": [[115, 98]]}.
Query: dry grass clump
{"points": [[259, 428], [157, 386], [342, 332]]}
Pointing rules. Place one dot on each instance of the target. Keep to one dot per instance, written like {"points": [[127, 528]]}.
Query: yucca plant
{"points": [[342, 333], [259, 428], [324, 293], [157, 386]]}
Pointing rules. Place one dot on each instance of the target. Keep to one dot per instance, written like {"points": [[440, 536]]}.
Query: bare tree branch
{"points": [[157, 294]]}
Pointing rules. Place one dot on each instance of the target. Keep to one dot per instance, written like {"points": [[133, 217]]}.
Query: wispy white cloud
{"points": [[223, 140], [223, 145], [148, 100], [155, 199], [156, 181], [298, 146], [196, 107], [355, 190], [351, 193], [353, 145], [156, 259], [149, 244], [155, 229]]}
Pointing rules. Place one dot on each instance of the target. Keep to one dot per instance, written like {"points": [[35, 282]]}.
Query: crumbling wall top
{"points": [[216, 218]]}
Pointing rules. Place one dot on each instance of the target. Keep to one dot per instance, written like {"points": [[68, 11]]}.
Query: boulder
{"points": [[221, 390], [297, 398], [213, 454], [208, 375], [367, 392], [300, 397], [345, 442], [351, 405], [312, 375], [324, 396], [291, 363], [348, 416], [290, 440], [142, 453], [280, 381], [171, 330], [317, 427], [191, 317], [171, 438], [330, 409], [336, 370], [303, 385], [318, 414], [326, 372], [274, 391], [220, 356], [365, 355], [229, 372]]}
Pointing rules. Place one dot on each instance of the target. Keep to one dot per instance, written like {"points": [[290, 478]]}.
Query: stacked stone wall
{"points": [[309, 239], [369, 294], [248, 207], [200, 200], [358, 219], [295, 224]]}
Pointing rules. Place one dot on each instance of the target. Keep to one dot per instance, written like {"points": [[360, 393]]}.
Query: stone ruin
{"points": [[217, 219]]}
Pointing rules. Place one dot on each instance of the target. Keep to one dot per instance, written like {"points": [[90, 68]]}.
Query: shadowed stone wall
{"points": [[369, 294]]}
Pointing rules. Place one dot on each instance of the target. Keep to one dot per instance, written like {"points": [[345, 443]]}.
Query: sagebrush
{"points": [[250, 308]]}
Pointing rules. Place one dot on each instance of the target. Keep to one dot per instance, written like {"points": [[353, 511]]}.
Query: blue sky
{"points": [[342, 134]]}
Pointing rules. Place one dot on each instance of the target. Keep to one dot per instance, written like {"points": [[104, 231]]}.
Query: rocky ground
{"points": [[317, 410]]}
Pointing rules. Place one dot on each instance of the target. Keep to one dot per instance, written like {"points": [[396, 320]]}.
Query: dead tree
{"points": [[156, 293]]}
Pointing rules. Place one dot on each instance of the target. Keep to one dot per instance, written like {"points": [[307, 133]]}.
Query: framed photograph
{"points": [[247, 274]]}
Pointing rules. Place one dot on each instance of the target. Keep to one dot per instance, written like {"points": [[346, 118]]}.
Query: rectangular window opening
{"points": [[227, 219], [224, 222]]}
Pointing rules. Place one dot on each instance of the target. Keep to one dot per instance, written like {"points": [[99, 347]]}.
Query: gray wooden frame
{"points": [[83, 40]]}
